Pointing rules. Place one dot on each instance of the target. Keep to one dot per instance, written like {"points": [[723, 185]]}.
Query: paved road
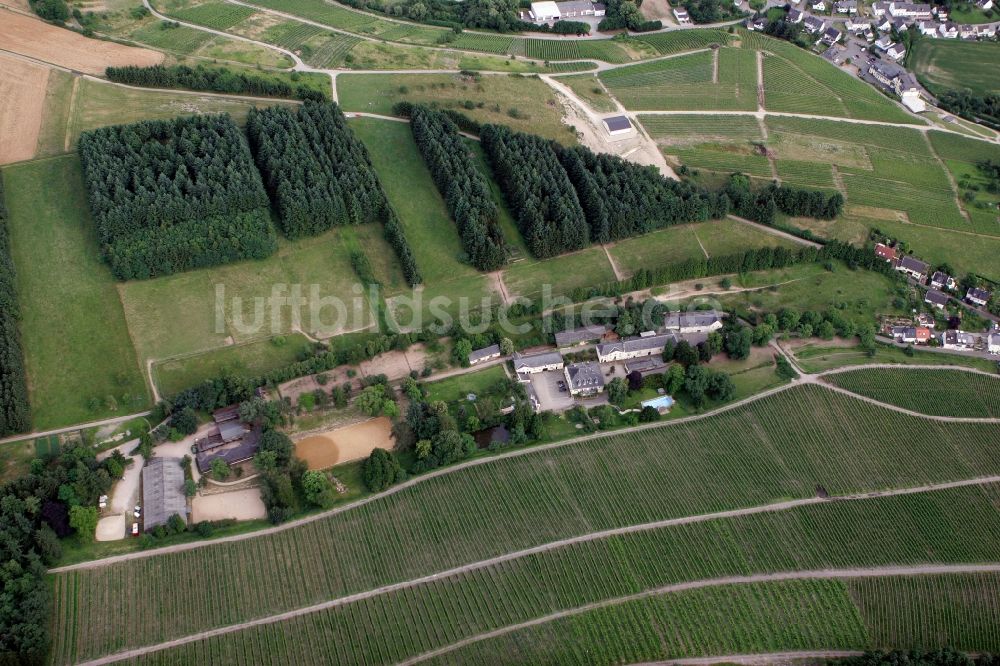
{"points": [[940, 350], [594, 536]]}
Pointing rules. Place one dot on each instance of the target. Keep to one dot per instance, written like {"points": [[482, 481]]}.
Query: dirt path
{"points": [[760, 83], [821, 574], [763, 658], [701, 245], [38, 39], [619, 276], [775, 232]]}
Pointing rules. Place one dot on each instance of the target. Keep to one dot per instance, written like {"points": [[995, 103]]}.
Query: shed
{"points": [[618, 125]]}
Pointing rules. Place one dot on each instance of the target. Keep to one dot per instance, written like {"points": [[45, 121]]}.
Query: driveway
{"points": [[549, 396]]}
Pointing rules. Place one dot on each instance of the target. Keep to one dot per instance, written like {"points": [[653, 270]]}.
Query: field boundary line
{"points": [[816, 574], [67, 130], [760, 658]]}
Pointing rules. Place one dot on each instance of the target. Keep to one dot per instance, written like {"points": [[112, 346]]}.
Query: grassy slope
{"points": [[456, 388], [786, 446], [948, 63], [943, 392], [77, 345]]}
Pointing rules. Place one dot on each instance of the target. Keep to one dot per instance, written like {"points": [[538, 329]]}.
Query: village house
{"points": [[484, 354], [757, 24], [927, 29], [977, 296], [942, 281], [856, 24], [912, 267], [988, 30], [831, 36], [885, 252], [575, 337], [696, 321], [993, 343], [584, 379], [953, 339], [967, 32], [794, 16], [533, 363], [681, 15], [907, 334], [985, 5], [941, 12], [909, 10], [948, 30], [814, 25], [896, 51], [896, 80], [648, 365], [628, 348], [818, 5], [880, 8], [884, 25], [936, 298], [883, 42], [846, 7]]}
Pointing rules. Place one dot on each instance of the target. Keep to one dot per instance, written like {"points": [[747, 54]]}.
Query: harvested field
{"points": [[244, 504], [22, 97], [37, 39], [352, 442]]}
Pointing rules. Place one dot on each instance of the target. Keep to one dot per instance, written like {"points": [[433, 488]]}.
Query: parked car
{"points": [[135, 529]]}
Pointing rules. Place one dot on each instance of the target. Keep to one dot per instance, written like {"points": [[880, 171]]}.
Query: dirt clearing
{"points": [[243, 504], [22, 101], [353, 442], [39, 40]]}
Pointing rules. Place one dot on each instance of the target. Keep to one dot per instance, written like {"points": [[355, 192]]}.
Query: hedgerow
{"points": [[170, 195], [215, 79], [15, 413], [537, 190], [622, 199], [463, 186]]}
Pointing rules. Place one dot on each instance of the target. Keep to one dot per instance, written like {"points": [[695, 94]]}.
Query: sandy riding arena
{"points": [[22, 102], [37, 39], [352, 442], [243, 504]]}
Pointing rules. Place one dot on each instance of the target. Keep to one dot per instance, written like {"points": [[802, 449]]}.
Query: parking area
{"points": [[550, 397]]}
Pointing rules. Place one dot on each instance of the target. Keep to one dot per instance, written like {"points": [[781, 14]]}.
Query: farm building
{"points": [[629, 348], [936, 298], [232, 451], [545, 12], [618, 126], [584, 379], [484, 354], [578, 336], [698, 321], [977, 296], [537, 362], [163, 492]]}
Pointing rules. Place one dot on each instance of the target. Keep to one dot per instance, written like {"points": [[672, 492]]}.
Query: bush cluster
{"points": [[171, 195], [214, 79]]}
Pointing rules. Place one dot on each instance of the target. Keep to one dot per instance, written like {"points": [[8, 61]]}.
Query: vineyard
{"points": [[330, 51], [471, 41], [216, 15], [787, 445], [725, 159], [553, 49], [940, 392], [180, 39], [679, 41], [805, 174], [682, 130], [291, 34]]}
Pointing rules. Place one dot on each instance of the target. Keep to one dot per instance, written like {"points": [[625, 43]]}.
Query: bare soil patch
{"points": [[111, 528], [22, 102], [657, 9], [244, 504], [342, 445], [37, 39], [395, 364]]}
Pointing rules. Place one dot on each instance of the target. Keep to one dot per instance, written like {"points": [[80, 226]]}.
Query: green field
{"points": [[942, 526], [819, 356], [955, 64], [80, 359], [940, 392], [456, 388], [588, 88]]}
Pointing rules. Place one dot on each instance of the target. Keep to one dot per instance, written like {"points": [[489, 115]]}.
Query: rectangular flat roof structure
{"points": [[617, 124], [162, 491], [545, 10], [537, 360]]}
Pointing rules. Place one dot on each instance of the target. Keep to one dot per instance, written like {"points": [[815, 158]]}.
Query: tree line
{"points": [[15, 412], [463, 186], [214, 79], [622, 199], [537, 189], [621, 14], [170, 195], [983, 109], [763, 204]]}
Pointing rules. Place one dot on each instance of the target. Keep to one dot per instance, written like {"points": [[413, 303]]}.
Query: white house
{"points": [[627, 348], [880, 8], [936, 299], [681, 15], [910, 10], [533, 363], [856, 24], [794, 16], [942, 280], [985, 5], [584, 379], [578, 8], [697, 321], [818, 5], [831, 36], [993, 343], [977, 296], [912, 267], [958, 340], [544, 12], [484, 354], [948, 30], [987, 30], [814, 25], [846, 7], [928, 29], [896, 51]]}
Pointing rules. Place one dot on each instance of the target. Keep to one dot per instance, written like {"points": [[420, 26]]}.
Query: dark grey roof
{"points": [[940, 277], [689, 319], [232, 453], [485, 352], [162, 491], [231, 430], [645, 364], [616, 123], [980, 294], [577, 335], [635, 344], [793, 14], [575, 6], [585, 375], [537, 360], [936, 297], [912, 264]]}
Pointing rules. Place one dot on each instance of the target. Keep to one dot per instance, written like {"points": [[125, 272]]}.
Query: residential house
{"points": [[895, 51], [909, 10], [584, 379], [682, 16], [647, 365], [993, 343], [629, 348], [574, 337], [818, 5], [923, 335], [967, 32], [846, 7], [985, 5], [907, 334], [988, 30], [880, 8], [856, 24], [794, 16], [162, 492], [831, 36], [928, 29], [942, 281], [696, 321], [953, 339], [977, 296], [484, 354], [883, 42], [941, 12], [757, 24], [883, 24], [533, 363], [936, 298], [885, 252], [948, 30], [814, 25], [912, 267]]}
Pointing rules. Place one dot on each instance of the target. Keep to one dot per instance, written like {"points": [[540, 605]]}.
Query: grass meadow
{"points": [[80, 359], [955, 64], [780, 447]]}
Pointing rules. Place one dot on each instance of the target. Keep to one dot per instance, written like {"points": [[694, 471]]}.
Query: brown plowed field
{"points": [[37, 39], [22, 101]]}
